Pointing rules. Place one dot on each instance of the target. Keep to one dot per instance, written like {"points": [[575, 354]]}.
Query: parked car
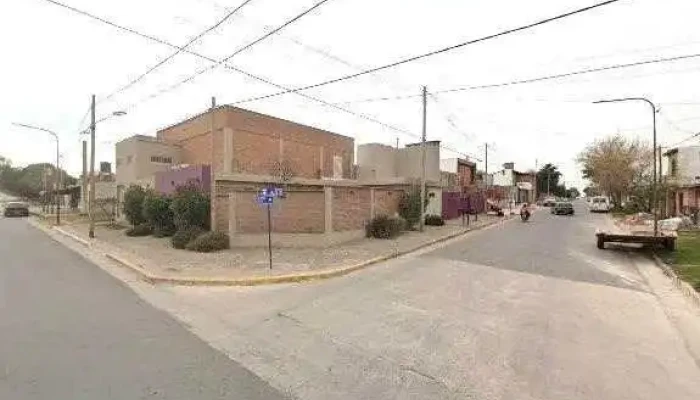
{"points": [[549, 201], [16, 209], [600, 204], [563, 208]]}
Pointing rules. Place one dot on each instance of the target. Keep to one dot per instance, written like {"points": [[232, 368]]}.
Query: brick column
{"points": [[320, 161], [228, 150], [371, 203], [232, 217], [281, 150], [328, 204]]}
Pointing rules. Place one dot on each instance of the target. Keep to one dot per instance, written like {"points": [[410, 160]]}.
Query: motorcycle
{"points": [[524, 215]]}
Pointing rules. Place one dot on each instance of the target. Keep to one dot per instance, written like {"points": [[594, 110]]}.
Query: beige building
{"points": [[378, 162], [140, 157]]}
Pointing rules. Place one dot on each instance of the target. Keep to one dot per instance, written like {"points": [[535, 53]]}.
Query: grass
{"points": [[685, 261]]}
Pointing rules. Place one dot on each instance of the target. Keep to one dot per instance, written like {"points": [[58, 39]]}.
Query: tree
{"points": [[29, 181], [409, 207], [191, 207], [619, 167], [548, 180], [572, 193], [133, 204]]}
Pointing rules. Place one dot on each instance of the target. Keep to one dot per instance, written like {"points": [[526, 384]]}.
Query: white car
{"points": [[600, 204]]}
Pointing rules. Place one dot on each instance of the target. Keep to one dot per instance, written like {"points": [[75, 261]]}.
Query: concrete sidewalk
{"points": [[157, 262]]}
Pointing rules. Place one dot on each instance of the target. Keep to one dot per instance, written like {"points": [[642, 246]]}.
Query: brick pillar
{"points": [[328, 205], [371, 203], [232, 217], [320, 161], [228, 150]]}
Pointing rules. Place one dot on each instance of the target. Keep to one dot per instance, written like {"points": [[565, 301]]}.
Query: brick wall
{"points": [[256, 143], [351, 208], [386, 201]]}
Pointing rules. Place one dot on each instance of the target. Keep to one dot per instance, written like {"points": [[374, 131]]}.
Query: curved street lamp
{"points": [[58, 170], [653, 113]]}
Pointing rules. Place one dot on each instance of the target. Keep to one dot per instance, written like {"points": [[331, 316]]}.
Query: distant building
{"points": [[464, 170], [523, 188], [140, 157], [684, 177]]}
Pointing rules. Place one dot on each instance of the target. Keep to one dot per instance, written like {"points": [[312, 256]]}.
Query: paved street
{"points": [[68, 330], [518, 311]]}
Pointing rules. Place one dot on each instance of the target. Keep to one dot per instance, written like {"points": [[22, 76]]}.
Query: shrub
{"points": [[409, 207], [208, 242], [183, 236], [139, 230], [384, 227], [133, 204], [190, 207], [157, 212], [434, 220]]}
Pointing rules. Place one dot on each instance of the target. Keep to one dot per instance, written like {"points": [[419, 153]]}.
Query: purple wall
{"points": [[454, 202], [168, 181]]}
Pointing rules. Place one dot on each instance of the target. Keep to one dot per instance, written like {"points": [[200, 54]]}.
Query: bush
{"points": [[139, 230], [183, 236], [133, 205], [409, 207], [384, 227], [434, 220], [157, 212], [208, 242], [190, 207]]}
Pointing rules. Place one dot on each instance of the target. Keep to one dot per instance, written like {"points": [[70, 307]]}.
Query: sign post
{"points": [[266, 197]]}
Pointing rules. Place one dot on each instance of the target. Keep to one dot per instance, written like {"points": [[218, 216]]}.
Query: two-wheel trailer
{"points": [[668, 241]]}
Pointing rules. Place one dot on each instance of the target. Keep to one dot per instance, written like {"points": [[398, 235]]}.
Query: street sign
{"points": [[262, 199]]}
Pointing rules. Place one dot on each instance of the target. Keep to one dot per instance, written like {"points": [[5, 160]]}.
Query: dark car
{"points": [[16, 209], [563, 208]]}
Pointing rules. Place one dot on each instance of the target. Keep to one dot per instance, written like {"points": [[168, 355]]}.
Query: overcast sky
{"points": [[54, 59]]}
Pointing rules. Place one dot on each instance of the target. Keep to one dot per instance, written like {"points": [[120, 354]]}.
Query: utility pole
{"points": [[212, 180], [397, 143], [486, 169], [422, 160], [83, 182], [91, 193]]}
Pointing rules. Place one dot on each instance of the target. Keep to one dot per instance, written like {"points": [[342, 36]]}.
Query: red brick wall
{"points": [[256, 143], [386, 201], [302, 211], [351, 208], [465, 174]]}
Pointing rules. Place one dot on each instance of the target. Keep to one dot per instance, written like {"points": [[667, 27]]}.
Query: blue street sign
{"points": [[261, 199], [272, 192]]}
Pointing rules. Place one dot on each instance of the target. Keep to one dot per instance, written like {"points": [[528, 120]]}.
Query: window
{"points": [[161, 160]]}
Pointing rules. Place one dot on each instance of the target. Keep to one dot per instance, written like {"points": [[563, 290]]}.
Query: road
{"points": [[518, 311], [68, 330]]}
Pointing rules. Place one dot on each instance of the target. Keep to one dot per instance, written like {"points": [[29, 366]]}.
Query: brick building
{"points": [[247, 142]]}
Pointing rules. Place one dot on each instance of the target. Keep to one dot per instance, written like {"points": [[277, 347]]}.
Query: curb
{"points": [[685, 288], [154, 279]]}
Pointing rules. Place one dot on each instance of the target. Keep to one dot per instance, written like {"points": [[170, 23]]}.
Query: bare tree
{"points": [[618, 166]]}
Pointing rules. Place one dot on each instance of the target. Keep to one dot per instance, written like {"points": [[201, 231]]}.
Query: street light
{"points": [[653, 113], [58, 170], [91, 194]]}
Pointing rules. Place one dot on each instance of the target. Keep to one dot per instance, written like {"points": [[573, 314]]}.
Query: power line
{"points": [[539, 79], [694, 135], [450, 118], [433, 53], [235, 53], [238, 70], [178, 51]]}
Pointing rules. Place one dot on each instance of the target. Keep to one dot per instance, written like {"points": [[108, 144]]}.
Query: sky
{"points": [[55, 59]]}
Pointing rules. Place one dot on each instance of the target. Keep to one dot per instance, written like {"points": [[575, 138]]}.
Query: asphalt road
{"points": [[517, 311], [68, 330]]}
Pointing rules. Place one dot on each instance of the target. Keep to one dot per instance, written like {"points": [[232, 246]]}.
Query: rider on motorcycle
{"points": [[525, 211]]}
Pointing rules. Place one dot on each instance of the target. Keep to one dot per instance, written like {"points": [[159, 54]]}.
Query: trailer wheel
{"points": [[601, 243]]}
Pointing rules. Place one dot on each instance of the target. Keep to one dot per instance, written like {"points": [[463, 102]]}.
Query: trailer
{"points": [[665, 239]]}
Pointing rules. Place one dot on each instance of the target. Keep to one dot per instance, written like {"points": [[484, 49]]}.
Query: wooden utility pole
{"points": [[83, 183], [212, 179], [422, 160], [91, 194]]}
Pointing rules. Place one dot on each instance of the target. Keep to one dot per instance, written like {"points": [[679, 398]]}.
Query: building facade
{"points": [[377, 162], [684, 180], [140, 157], [251, 143]]}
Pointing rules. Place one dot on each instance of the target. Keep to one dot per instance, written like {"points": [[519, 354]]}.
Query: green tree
{"points": [[409, 207], [548, 180], [158, 214], [133, 204], [191, 207]]}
